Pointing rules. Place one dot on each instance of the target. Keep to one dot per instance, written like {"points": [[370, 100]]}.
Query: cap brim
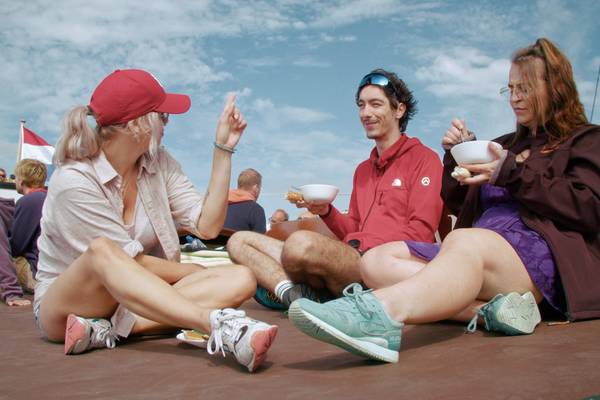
{"points": [[175, 104]]}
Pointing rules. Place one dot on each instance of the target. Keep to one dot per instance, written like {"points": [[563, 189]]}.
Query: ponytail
{"points": [[78, 140]]}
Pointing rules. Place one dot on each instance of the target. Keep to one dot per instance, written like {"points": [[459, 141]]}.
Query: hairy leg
{"points": [[260, 253], [104, 276], [314, 257], [472, 264]]}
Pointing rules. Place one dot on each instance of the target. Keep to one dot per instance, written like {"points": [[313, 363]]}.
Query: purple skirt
{"points": [[501, 215]]}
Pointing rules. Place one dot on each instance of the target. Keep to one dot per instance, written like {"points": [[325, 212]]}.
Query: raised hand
{"points": [[231, 124]]}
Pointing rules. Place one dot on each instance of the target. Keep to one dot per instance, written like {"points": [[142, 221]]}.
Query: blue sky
{"points": [[295, 65]]}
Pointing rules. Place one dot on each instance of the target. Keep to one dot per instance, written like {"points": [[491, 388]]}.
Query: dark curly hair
{"points": [[397, 92]]}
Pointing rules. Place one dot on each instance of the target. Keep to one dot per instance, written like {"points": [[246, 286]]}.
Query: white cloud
{"points": [[277, 116], [311, 62], [333, 14], [464, 72]]}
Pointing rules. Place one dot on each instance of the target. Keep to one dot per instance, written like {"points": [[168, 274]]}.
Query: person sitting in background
{"points": [[30, 180], [109, 243], [395, 196], [243, 212], [2, 175], [10, 289], [528, 225], [279, 215]]}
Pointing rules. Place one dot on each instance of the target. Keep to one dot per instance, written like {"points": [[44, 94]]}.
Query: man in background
{"points": [[243, 212], [279, 215], [30, 179]]}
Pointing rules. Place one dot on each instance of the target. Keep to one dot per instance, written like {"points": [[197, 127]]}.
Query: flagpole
{"points": [[19, 148]]}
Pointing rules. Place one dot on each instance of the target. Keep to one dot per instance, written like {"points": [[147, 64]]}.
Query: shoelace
{"points": [[354, 292], [489, 325], [103, 335], [472, 327], [219, 321]]}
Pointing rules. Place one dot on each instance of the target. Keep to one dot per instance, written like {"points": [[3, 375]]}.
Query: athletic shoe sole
{"points": [[520, 313], [75, 333], [320, 330], [260, 343]]}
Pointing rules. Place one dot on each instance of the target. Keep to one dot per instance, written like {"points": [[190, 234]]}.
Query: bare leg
{"points": [[316, 257], [205, 289], [472, 264], [260, 253], [104, 276], [391, 263]]}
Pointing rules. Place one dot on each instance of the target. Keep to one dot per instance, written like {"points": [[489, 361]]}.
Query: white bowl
{"points": [[319, 194], [473, 152]]}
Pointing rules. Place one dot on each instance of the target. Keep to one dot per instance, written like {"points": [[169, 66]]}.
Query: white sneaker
{"points": [[247, 338], [82, 334]]}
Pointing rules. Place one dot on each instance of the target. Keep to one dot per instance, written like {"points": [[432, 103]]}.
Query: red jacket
{"points": [[395, 197]]}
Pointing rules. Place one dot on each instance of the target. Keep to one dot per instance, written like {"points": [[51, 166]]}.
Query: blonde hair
{"points": [[79, 141], [32, 173]]}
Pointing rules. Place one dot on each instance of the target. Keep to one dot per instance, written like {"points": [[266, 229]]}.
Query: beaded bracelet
{"points": [[224, 148]]}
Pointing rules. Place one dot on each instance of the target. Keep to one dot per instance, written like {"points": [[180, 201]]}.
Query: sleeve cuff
{"points": [[133, 248], [496, 173]]}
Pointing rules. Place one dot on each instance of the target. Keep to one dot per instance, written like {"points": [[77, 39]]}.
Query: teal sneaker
{"points": [[356, 322], [268, 299], [511, 314]]}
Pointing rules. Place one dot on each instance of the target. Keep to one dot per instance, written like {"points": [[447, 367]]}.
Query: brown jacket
{"points": [[559, 197]]}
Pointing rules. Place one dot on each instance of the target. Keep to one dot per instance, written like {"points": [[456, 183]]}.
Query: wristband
{"points": [[224, 148]]}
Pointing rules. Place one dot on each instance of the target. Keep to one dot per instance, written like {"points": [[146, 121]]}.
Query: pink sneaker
{"points": [[82, 334]]}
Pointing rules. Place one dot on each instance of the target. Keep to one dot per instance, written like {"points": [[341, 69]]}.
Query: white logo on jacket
{"points": [[397, 182], [425, 181]]}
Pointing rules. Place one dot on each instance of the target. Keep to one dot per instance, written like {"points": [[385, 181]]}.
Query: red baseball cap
{"points": [[127, 94]]}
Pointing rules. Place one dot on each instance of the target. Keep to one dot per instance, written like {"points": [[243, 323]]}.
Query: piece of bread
{"points": [[460, 172]]}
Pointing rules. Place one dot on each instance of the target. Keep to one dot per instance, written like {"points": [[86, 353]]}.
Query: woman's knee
{"points": [[102, 247], [242, 284]]}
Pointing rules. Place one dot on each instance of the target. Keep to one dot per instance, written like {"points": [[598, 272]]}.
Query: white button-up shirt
{"points": [[84, 202]]}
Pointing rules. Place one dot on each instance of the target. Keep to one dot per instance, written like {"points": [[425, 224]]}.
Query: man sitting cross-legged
{"points": [[395, 196]]}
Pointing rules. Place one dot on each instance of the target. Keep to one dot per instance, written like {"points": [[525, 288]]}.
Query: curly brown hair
{"points": [[564, 111]]}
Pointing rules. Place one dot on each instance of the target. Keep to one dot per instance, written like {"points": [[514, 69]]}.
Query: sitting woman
{"points": [[527, 224], [109, 244]]}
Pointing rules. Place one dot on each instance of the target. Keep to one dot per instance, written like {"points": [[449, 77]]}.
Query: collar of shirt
{"points": [[389, 154]]}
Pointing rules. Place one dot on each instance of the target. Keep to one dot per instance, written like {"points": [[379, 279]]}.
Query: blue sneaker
{"points": [[511, 314], [268, 299], [356, 323]]}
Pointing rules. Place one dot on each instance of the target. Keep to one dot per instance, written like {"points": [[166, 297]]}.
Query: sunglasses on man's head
{"points": [[377, 79], [374, 79]]}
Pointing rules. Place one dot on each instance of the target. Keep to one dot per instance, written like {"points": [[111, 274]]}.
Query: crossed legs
{"points": [[105, 276], [305, 257]]}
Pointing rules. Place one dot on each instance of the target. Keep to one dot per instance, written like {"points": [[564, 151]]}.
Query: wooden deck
{"points": [[436, 361]]}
